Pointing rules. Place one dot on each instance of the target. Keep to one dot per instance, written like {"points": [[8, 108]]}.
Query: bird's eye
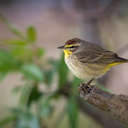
{"points": [[72, 46]]}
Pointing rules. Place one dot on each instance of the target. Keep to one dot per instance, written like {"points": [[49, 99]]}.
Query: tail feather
{"points": [[120, 59]]}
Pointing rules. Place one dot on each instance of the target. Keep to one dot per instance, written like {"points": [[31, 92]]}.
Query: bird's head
{"points": [[70, 46]]}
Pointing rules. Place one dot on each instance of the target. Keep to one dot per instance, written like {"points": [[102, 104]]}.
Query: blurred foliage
{"points": [[21, 55]]}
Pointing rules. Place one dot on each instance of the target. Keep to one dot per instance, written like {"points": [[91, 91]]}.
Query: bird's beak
{"points": [[61, 47]]}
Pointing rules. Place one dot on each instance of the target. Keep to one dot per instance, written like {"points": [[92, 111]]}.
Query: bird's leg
{"points": [[85, 87], [90, 81]]}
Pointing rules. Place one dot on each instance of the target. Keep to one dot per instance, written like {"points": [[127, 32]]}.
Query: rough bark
{"points": [[115, 105], [98, 114]]}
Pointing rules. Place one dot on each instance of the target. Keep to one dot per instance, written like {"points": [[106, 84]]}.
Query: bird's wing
{"points": [[99, 56]]}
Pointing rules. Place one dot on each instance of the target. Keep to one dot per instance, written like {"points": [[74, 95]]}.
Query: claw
{"points": [[85, 88], [90, 81]]}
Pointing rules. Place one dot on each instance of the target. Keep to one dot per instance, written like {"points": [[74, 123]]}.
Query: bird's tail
{"points": [[120, 60]]}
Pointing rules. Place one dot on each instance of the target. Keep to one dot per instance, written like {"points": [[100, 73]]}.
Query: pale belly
{"points": [[85, 71]]}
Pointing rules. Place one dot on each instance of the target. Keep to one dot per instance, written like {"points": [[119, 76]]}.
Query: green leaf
{"points": [[62, 72], [27, 120], [46, 108], [7, 120], [15, 42], [7, 62], [32, 72], [35, 95], [31, 34], [24, 96], [54, 64], [48, 76], [76, 81], [22, 53], [74, 85], [40, 52], [72, 112]]}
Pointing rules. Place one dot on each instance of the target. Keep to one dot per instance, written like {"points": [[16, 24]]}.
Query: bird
{"points": [[89, 61]]}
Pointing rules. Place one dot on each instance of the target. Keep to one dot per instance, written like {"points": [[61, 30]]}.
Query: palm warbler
{"points": [[87, 60]]}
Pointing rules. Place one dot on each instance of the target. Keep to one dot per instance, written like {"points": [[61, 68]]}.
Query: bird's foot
{"points": [[85, 89]]}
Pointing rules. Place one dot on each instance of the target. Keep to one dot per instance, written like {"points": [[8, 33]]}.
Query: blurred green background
{"points": [[36, 88]]}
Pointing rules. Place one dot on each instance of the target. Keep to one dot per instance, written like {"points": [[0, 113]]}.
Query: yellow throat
{"points": [[67, 53]]}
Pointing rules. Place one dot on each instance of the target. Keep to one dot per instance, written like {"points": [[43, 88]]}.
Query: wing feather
{"points": [[97, 55]]}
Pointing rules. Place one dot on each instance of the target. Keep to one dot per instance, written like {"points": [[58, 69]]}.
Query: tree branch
{"points": [[116, 105], [104, 119]]}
